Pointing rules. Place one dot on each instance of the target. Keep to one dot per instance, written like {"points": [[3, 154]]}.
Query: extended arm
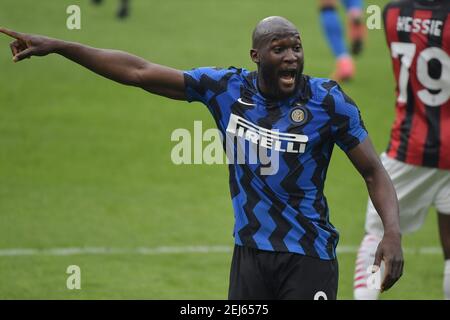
{"points": [[116, 65], [384, 199]]}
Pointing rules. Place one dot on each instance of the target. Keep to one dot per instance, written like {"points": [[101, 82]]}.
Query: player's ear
{"points": [[254, 55]]}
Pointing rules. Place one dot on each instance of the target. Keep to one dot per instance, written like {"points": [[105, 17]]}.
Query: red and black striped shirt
{"points": [[418, 36]]}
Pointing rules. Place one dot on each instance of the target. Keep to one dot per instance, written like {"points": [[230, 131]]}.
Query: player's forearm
{"points": [[116, 65], [112, 64], [384, 199], [379, 185]]}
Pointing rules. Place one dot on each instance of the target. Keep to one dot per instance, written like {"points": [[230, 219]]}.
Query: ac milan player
{"points": [[418, 156]]}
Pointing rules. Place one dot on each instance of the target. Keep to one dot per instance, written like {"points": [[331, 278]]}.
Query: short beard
{"points": [[271, 81]]}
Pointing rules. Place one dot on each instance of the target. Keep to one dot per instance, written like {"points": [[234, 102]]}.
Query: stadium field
{"points": [[85, 163]]}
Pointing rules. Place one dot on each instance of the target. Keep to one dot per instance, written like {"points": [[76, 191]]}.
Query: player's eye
{"points": [[277, 50], [297, 48]]}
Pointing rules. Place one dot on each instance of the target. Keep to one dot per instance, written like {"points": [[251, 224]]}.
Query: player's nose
{"points": [[290, 56]]}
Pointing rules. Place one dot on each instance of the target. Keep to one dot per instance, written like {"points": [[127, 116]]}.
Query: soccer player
{"points": [[331, 25], [418, 156], [284, 242]]}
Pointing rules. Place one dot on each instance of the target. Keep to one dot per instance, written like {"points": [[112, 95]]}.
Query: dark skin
{"points": [[277, 48], [278, 53], [444, 232], [282, 54]]}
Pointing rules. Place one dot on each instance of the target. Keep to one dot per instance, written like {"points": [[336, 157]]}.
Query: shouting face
{"points": [[278, 53]]}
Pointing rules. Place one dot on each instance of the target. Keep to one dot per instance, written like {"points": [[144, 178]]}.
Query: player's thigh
{"points": [[306, 278], [416, 189], [247, 279]]}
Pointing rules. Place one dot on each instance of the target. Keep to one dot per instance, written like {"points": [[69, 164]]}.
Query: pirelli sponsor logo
{"points": [[269, 139]]}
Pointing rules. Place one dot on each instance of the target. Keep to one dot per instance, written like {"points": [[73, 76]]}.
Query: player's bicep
{"points": [[364, 158], [162, 80]]}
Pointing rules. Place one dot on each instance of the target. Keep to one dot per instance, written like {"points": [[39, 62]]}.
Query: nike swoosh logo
{"points": [[246, 103]]}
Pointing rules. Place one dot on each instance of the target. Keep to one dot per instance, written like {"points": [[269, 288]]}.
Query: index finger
{"points": [[11, 33]]}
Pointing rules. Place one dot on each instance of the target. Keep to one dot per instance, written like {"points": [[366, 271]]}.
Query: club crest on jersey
{"points": [[269, 139], [299, 115]]}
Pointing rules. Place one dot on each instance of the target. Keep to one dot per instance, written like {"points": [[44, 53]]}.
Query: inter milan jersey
{"points": [[418, 35], [280, 151]]}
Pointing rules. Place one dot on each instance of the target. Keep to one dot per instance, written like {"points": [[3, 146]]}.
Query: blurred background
{"points": [[85, 162]]}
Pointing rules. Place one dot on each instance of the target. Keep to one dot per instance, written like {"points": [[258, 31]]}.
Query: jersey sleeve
{"points": [[348, 126], [202, 83]]}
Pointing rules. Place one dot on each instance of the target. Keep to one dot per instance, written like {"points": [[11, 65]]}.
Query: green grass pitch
{"points": [[85, 162]]}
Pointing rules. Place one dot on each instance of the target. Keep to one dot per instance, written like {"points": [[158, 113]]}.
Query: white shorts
{"points": [[418, 189]]}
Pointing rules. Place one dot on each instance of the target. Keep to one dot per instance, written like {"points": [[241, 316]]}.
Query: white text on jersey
{"points": [[269, 139], [416, 25]]}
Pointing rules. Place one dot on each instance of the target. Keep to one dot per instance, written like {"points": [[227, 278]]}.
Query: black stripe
{"points": [[334, 236], [218, 87], [320, 203], [329, 85], [319, 171], [433, 114], [431, 5], [310, 236], [389, 6], [432, 143], [318, 179], [282, 227], [305, 89], [246, 234], [289, 182], [240, 109], [247, 91], [341, 122], [234, 188], [405, 126], [253, 225]]}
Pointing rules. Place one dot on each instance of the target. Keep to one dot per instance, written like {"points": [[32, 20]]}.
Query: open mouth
{"points": [[287, 77]]}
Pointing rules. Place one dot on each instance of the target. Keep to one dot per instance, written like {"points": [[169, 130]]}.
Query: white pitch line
{"points": [[113, 251], [167, 250]]}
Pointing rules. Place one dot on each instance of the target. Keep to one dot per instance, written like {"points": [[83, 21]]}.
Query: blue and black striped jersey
{"points": [[279, 152]]}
